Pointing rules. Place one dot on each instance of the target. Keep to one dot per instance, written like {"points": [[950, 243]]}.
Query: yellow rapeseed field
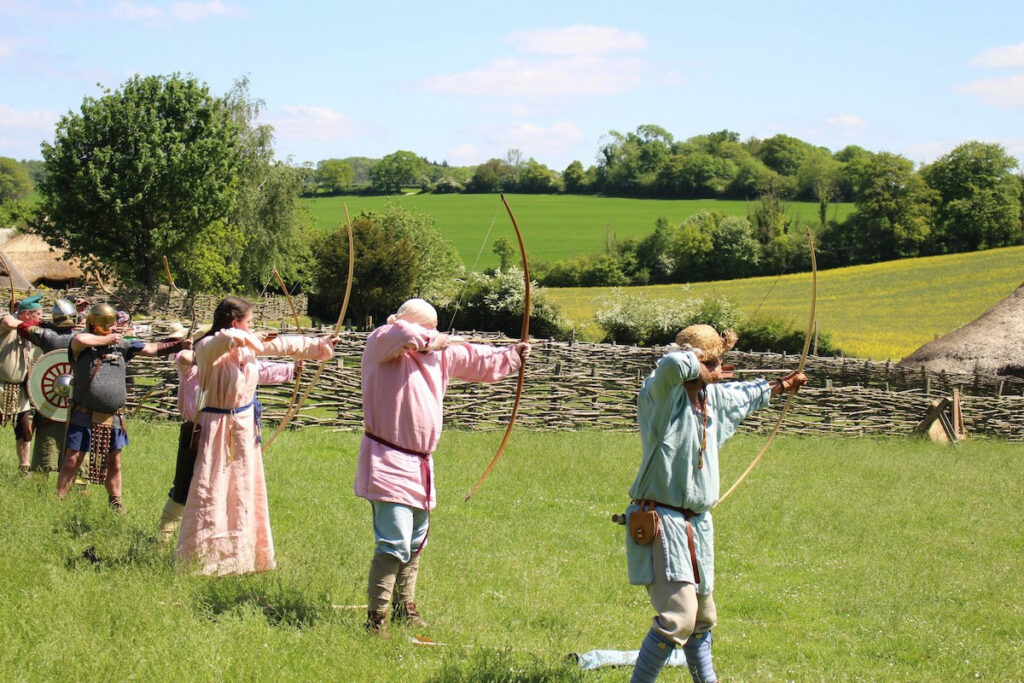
{"points": [[880, 311]]}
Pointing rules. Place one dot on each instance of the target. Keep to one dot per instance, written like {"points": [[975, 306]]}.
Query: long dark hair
{"points": [[230, 309]]}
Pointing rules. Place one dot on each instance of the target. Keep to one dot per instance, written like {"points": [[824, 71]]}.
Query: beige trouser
{"points": [[681, 611]]}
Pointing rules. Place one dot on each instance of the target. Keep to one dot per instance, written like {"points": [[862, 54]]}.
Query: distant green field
{"points": [[554, 226], [880, 310]]}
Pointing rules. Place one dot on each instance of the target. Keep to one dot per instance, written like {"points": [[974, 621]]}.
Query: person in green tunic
{"points": [[16, 357], [48, 435], [685, 415]]}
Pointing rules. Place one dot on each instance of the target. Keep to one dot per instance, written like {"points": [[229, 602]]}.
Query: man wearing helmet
{"points": [[48, 444], [685, 415], [16, 358], [99, 356]]}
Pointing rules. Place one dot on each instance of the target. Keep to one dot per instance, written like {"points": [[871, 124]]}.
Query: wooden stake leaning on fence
{"points": [[800, 368], [524, 336], [337, 327], [298, 371]]}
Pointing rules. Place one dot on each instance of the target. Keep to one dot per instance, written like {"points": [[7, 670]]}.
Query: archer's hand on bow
{"points": [[523, 349], [791, 382]]}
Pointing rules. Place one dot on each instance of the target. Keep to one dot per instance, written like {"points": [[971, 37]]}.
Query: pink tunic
{"points": [[403, 389], [226, 524]]}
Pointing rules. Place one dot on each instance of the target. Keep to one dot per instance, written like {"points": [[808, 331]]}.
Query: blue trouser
{"points": [[399, 530]]}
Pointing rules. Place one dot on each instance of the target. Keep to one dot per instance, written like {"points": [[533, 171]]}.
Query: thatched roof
{"points": [[992, 344], [20, 281], [38, 261]]}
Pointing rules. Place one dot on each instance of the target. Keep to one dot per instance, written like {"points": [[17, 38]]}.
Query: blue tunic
{"points": [[671, 471]]}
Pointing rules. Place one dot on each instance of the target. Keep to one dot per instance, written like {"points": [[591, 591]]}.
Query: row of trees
{"points": [[162, 167], [968, 200]]}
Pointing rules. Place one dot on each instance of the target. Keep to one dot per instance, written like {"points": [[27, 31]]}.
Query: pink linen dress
{"points": [[403, 389], [225, 528]]}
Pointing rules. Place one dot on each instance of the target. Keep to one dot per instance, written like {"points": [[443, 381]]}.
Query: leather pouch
{"points": [[644, 524]]}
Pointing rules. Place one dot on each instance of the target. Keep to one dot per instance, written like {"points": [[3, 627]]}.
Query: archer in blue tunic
{"points": [[685, 415]]}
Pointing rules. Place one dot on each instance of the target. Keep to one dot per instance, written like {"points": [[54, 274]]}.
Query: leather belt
{"points": [[687, 514]]}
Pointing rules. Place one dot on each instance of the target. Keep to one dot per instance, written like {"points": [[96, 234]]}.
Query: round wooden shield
{"points": [[49, 385]]}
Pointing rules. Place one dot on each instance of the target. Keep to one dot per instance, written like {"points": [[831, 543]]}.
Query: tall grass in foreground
{"points": [[880, 310], [838, 560]]}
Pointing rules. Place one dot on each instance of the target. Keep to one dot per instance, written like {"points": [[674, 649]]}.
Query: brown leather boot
{"points": [[381, 584], [376, 622], [405, 613]]}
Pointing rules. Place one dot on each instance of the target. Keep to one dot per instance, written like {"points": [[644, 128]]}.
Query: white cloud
{"points": [[22, 131], [13, 47], [197, 11], [540, 142], [181, 11], [312, 123], [552, 78], [997, 92], [847, 124], [1001, 57], [132, 12], [576, 40], [463, 155]]}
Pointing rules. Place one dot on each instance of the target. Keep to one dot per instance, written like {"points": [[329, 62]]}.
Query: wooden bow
{"points": [[524, 336], [170, 280], [337, 326], [103, 286], [10, 279], [298, 372], [800, 368]]}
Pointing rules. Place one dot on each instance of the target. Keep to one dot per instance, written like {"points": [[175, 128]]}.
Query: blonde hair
{"points": [[416, 311]]}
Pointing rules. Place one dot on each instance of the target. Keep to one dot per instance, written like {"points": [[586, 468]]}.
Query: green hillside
{"points": [[553, 226], [880, 310]]}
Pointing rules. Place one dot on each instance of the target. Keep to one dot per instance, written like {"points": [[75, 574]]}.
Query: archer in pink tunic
{"points": [[403, 389], [406, 368], [226, 524]]}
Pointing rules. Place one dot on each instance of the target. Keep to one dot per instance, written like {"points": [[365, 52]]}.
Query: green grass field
{"points": [[554, 226], [838, 560], [881, 310]]}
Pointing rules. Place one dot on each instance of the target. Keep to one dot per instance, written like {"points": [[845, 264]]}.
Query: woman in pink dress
{"points": [[225, 528]]}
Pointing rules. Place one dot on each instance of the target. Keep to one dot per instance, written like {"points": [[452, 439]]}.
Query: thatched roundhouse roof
{"points": [[992, 344], [38, 263]]}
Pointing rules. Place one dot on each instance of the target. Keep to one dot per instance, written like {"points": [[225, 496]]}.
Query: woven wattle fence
{"points": [[575, 386]]}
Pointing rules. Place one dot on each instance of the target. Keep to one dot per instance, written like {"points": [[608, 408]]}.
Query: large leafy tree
{"points": [[275, 231], [980, 205], [334, 176], [895, 210], [138, 173], [397, 169]]}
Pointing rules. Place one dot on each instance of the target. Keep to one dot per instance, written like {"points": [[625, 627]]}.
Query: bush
{"points": [[651, 322], [773, 334], [495, 303], [654, 322]]}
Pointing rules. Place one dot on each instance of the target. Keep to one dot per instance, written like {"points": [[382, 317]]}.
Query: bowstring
{"points": [[483, 243], [776, 281]]}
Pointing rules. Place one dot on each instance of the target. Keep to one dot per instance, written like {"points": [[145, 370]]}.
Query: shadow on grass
{"points": [[278, 604], [110, 541], [505, 666]]}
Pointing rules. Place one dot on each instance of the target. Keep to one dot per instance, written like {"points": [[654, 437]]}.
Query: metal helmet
{"points": [[63, 310], [101, 316]]}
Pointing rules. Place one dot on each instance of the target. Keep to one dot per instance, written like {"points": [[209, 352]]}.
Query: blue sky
{"points": [[466, 81]]}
